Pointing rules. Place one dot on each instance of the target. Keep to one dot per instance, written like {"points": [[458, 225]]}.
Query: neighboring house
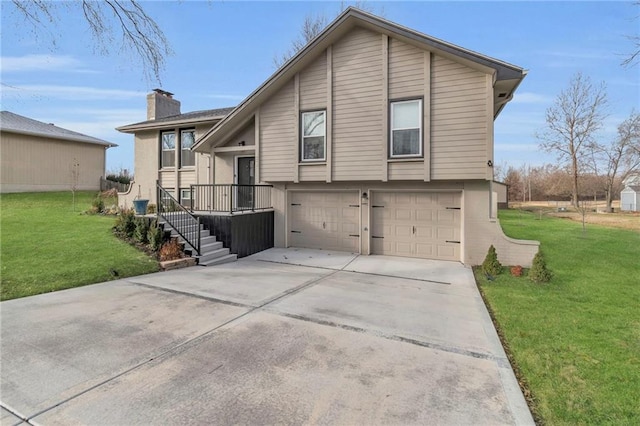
{"points": [[375, 139], [37, 156], [630, 195]]}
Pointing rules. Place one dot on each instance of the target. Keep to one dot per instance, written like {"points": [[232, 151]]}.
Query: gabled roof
{"points": [[188, 118], [507, 76], [632, 181], [14, 123]]}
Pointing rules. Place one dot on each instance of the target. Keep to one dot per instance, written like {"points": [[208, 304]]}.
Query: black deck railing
{"points": [[230, 198], [185, 224]]}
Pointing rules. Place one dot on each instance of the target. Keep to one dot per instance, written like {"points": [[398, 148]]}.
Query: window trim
{"points": [[188, 166], [302, 137], [162, 150], [420, 153]]}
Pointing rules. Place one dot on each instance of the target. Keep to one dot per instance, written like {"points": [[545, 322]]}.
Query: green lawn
{"points": [[576, 340], [46, 246]]}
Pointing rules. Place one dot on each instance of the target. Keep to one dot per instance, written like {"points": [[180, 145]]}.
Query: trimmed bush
{"points": [[156, 236], [142, 229], [97, 205], [125, 223], [539, 272], [491, 265]]}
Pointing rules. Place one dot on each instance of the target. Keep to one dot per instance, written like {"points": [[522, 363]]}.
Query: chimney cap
{"points": [[163, 92]]}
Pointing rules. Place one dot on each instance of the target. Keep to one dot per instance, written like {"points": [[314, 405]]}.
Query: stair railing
{"points": [[182, 220]]}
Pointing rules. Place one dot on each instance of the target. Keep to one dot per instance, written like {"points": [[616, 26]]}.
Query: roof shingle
{"points": [[15, 123]]}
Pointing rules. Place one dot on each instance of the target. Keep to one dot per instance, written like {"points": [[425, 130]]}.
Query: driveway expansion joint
{"points": [[191, 294], [436, 346]]}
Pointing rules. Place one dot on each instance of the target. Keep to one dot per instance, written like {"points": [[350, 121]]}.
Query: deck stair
{"points": [[212, 251]]}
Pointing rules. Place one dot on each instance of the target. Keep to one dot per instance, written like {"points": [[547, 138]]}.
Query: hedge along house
{"points": [[40, 157], [373, 139]]}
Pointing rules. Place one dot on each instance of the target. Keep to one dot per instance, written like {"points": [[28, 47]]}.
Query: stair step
{"points": [[220, 260], [213, 255], [212, 251], [206, 248]]}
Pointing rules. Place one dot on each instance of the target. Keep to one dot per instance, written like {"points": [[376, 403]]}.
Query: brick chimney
{"points": [[161, 104]]}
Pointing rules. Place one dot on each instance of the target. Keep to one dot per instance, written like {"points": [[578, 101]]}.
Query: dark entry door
{"points": [[246, 176]]}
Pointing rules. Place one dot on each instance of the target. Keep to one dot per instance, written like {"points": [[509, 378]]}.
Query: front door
{"points": [[245, 177]]}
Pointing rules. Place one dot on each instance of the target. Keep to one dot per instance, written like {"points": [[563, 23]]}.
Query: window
{"points": [[168, 155], [187, 140], [185, 197], [313, 136], [406, 128]]}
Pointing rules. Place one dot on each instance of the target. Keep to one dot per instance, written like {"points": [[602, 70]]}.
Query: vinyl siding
{"points": [[313, 84], [31, 163], [311, 173], [406, 70], [413, 170], [357, 106], [278, 136], [168, 179], [459, 121], [247, 134]]}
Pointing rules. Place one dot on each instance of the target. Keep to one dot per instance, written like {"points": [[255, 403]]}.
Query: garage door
{"points": [[416, 224], [325, 220]]}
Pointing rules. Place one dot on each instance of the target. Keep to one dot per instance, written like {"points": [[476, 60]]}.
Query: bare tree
{"points": [[632, 58], [572, 123], [312, 26], [74, 168], [108, 20], [619, 158]]}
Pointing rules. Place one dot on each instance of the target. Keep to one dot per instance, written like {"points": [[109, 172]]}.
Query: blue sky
{"points": [[224, 50]]}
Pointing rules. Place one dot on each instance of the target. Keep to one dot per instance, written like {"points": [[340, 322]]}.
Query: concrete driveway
{"points": [[286, 336]]}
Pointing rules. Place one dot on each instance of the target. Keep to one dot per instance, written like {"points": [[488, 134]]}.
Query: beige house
{"points": [[375, 139], [37, 156]]}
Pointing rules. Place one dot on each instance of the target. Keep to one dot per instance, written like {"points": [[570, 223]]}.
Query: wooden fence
{"points": [[109, 184]]}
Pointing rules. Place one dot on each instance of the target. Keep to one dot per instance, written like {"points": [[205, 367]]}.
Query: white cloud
{"points": [[70, 93], [530, 98], [26, 63]]}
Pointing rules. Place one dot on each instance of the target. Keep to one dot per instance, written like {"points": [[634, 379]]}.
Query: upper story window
{"points": [[313, 141], [168, 154], [187, 140], [406, 128]]}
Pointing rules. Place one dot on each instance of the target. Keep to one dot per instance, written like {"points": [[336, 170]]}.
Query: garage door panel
{"points": [[424, 250], [324, 220], [425, 232], [424, 216], [416, 224]]}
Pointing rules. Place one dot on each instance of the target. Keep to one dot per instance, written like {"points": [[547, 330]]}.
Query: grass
{"points": [[576, 340], [46, 246]]}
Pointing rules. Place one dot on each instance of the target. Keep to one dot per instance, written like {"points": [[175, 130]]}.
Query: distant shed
{"points": [[37, 156], [630, 195]]}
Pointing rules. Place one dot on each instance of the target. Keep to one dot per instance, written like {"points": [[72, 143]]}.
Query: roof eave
{"points": [[132, 128], [59, 137]]}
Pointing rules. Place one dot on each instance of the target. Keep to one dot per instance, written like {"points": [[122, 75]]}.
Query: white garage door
{"points": [[416, 224], [325, 220]]}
